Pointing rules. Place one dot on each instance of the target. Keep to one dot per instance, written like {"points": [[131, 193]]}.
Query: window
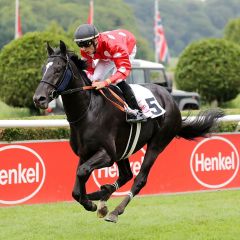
{"points": [[137, 76], [156, 76]]}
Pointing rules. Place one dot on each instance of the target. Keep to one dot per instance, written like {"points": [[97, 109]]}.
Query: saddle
{"points": [[145, 99]]}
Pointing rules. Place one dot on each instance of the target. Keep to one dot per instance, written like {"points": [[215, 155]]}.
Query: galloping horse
{"points": [[99, 132]]}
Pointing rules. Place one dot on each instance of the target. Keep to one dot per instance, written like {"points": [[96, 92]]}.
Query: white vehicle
{"points": [[147, 72], [151, 72]]}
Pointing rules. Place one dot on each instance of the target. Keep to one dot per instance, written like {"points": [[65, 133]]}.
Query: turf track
{"points": [[205, 216]]}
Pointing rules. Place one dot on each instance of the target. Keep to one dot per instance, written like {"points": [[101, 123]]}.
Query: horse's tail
{"points": [[200, 126]]}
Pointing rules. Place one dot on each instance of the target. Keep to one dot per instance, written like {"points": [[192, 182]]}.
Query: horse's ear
{"points": [[63, 47], [49, 49]]}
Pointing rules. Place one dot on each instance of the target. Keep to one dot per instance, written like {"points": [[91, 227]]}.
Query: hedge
{"points": [[23, 134], [21, 64]]}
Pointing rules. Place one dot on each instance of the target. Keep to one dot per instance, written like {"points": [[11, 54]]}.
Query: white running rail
{"points": [[33, 123], [64, 123]]}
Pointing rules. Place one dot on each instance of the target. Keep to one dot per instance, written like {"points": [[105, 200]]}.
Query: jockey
{"points": [[109, 53]]}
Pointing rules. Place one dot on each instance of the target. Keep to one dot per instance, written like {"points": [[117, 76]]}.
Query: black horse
{"points": [[100, 133]]}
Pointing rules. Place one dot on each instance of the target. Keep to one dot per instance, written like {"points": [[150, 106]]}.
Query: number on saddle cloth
{"points": [[147, 102]]}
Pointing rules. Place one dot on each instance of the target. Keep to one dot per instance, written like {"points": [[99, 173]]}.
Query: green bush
{"points": [[23, 134], [21, 66], [212, 68]]}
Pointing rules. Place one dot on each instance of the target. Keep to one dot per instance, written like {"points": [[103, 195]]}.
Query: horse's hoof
{"points": [[102, 209], [111, 218], [92, 207]]}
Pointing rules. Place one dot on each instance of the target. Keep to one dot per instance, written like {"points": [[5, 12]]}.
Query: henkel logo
{"points": [[109, 175], [214, 162], [22, 174]]}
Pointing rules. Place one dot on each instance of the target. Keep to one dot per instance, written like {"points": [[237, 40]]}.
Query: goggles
{"points": [[84, 44]]}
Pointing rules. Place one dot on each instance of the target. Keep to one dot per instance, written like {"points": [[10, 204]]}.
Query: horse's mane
{"points": [[80, 64]]}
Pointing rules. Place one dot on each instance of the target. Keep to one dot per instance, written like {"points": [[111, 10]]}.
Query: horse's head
{"points": [[57, 73]]}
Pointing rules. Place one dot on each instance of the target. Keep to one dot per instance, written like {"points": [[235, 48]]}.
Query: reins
{"points": [[117, 98], [121, 108], [70, 91]]}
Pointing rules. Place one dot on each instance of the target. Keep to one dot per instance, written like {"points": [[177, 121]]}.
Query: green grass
{"points": [[195, 216], [7, 112], [235, 103]]}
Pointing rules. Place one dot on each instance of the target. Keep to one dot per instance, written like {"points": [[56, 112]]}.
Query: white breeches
{"points": [[105, 68]]}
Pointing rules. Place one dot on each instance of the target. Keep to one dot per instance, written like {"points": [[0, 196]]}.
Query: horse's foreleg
{"points": [[125, 174], [79, 191], [99, 160]]}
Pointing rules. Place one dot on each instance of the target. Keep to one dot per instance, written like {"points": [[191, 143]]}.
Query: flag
{"points": [[161, 47], [90, 13], [18, 28]]}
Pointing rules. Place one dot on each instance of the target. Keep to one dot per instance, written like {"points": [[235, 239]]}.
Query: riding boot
{"points": [[136, 115]]}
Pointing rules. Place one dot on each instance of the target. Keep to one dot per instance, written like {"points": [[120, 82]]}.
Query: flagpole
{"points": [[16, 18], [90, 13], [155, 30], [18, 30], [161, 47]]}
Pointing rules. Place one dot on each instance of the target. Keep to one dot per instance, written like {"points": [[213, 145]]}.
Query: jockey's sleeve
{"points": [[120, 57]]}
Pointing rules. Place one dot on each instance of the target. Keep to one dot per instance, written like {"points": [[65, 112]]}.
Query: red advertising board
{"points": [[44, 171]]}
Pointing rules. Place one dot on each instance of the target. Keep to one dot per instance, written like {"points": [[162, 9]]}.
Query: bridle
{"points": [[59, 88]]}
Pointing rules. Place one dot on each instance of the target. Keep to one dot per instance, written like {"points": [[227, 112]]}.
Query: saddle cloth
{"points": [[147, 102]]}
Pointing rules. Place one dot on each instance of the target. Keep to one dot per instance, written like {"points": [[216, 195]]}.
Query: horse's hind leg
{"points": [[125, 175], [153, 150]]}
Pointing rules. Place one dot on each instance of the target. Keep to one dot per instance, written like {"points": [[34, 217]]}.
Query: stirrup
{"points": [[130, 111], [135, 118]]}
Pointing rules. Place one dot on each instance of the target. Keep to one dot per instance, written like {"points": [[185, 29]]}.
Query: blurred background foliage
{"points": [[184, 21]]}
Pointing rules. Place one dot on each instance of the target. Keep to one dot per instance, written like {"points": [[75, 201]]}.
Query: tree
{"points": [[212, 68], [232, 30], [38, 15], [20, 66], [193, 20], [55, 28]]}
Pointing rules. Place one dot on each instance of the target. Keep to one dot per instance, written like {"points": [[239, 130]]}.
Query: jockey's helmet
{"points": [[84, 34]]}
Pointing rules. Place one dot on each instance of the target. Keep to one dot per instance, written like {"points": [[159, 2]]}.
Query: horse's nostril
{"points": [[42, 99], [39, 99]]}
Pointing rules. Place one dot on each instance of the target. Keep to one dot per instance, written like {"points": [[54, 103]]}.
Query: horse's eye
{"points": [[58, 69]]}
